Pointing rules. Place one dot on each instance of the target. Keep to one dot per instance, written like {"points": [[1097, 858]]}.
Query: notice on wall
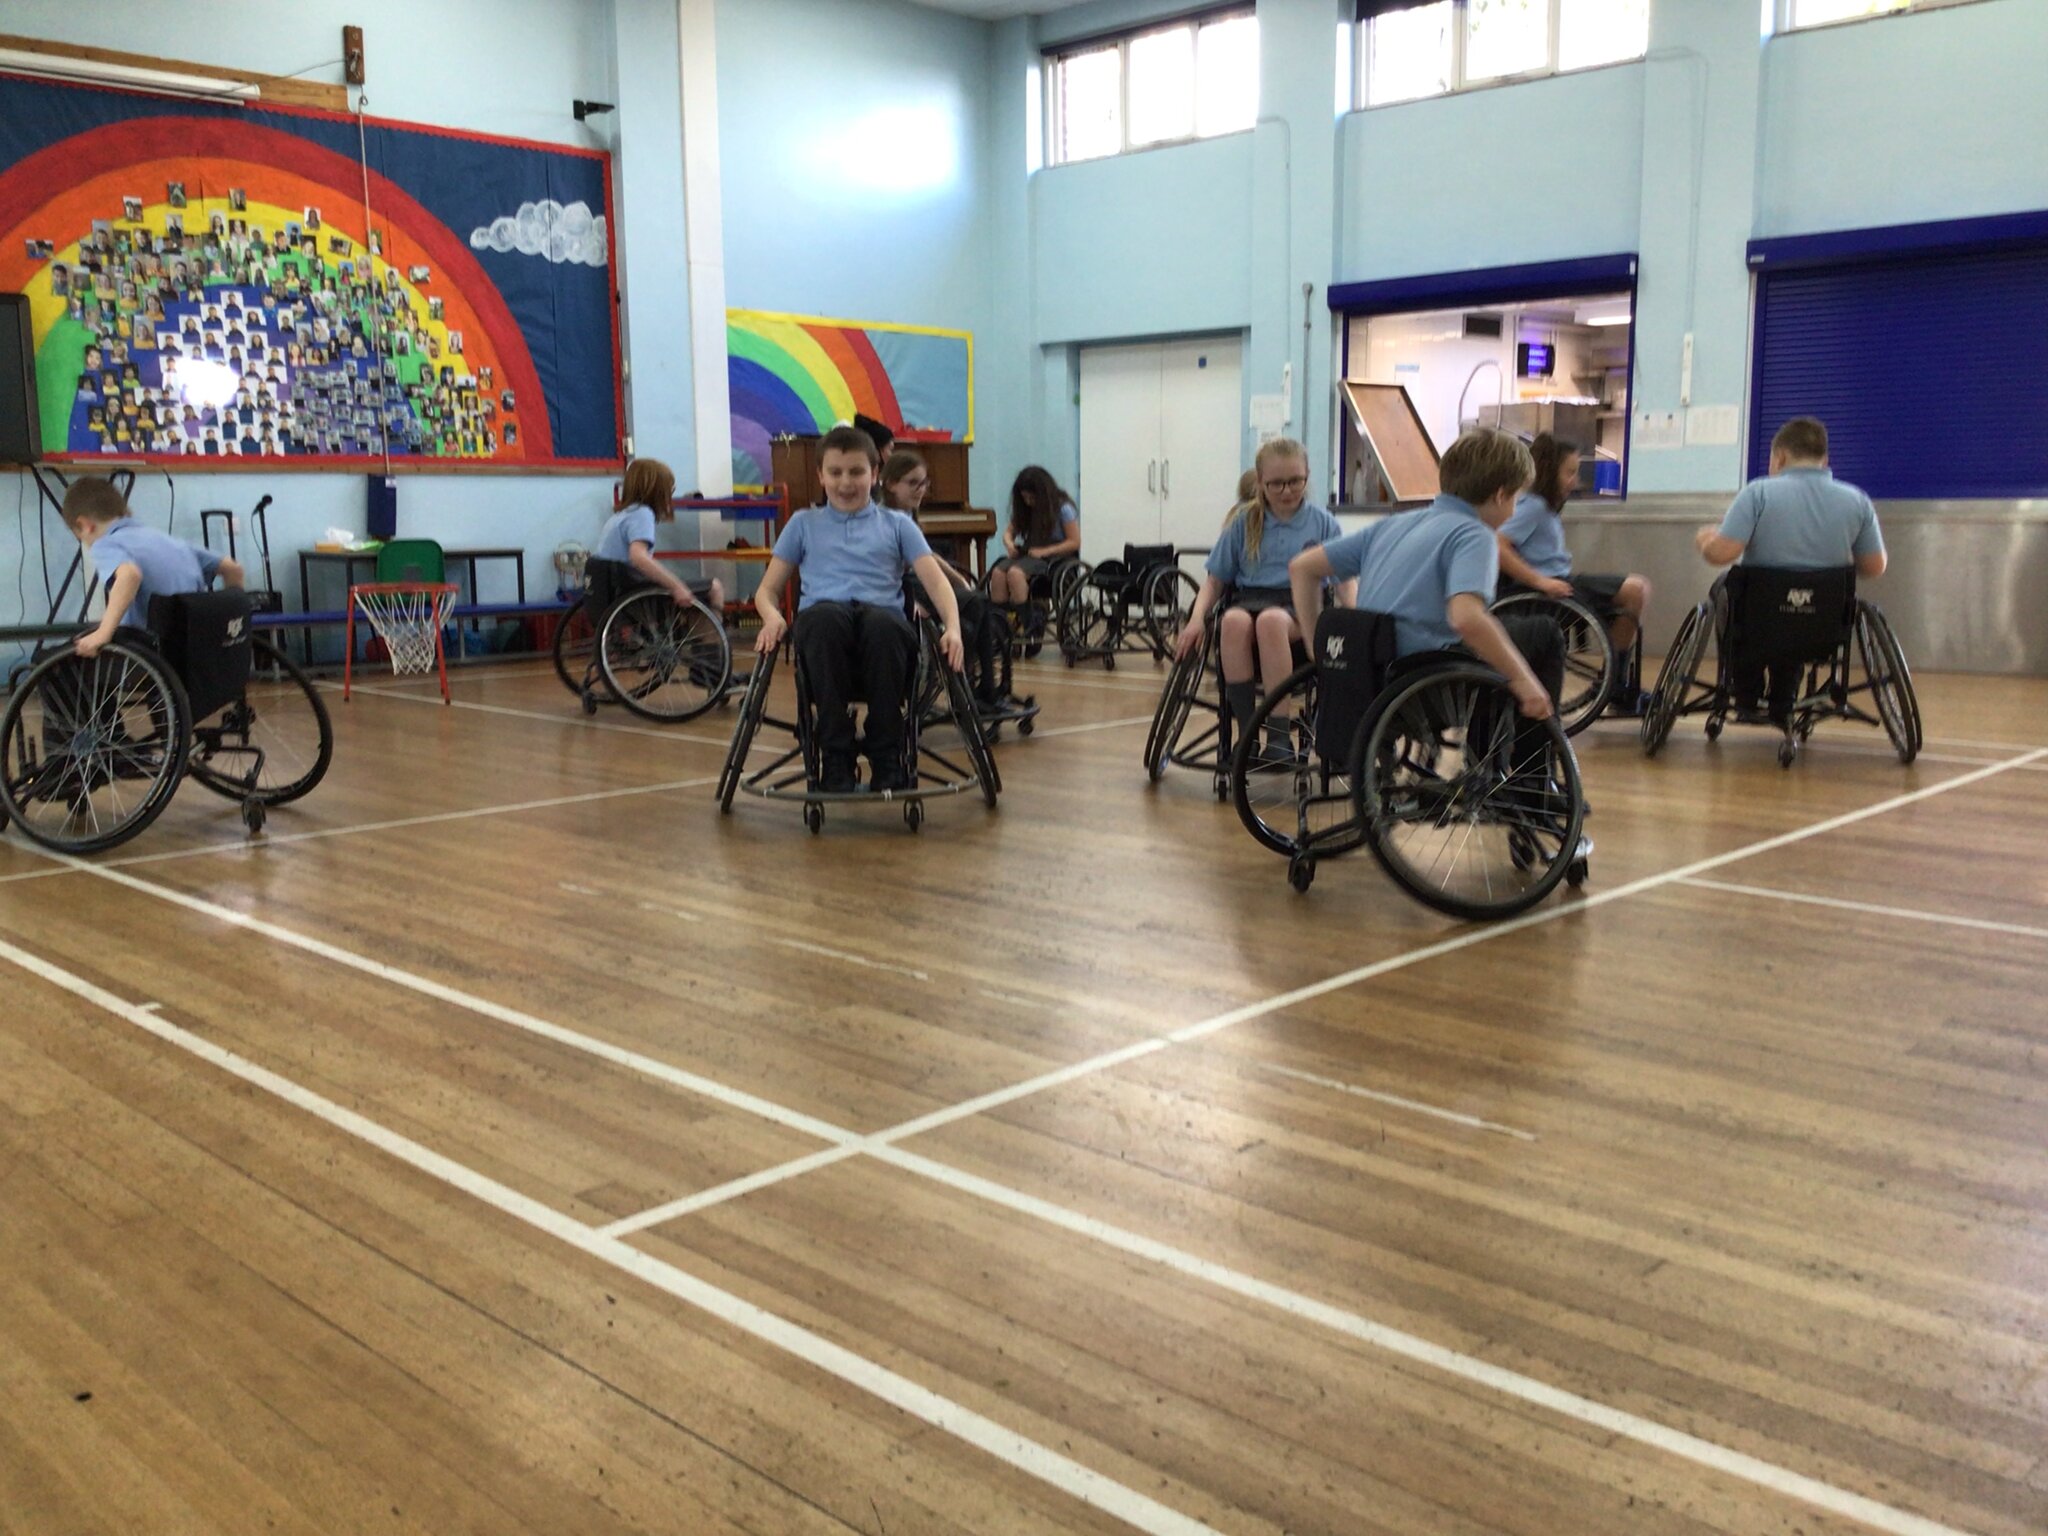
{"points": [[1268, 416], [1710, 426], [1658, 429]]}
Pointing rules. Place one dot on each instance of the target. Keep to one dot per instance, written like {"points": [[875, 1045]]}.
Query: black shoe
{"points": [[839, 777], [890, 779]]}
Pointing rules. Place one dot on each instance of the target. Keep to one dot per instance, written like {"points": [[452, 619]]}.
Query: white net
{"points": [[408, 619]]}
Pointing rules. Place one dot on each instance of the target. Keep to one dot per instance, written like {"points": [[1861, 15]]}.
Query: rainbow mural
{"points": [[207, 281], [800, 374]]}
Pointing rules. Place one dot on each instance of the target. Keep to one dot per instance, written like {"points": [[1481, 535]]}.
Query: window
{"points": [[1191, 79], [1413, 51], [1794, 14]]}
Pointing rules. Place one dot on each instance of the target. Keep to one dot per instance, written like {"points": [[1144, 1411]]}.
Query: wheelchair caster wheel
{"points": [[1026, 726], [1713, 727], [814, 818], [589, 702], [913, 814], [1109, 663], [1221, 785], [1575, 873], [1786, 752], [992, 732], [1301, 872], [252, 815]]}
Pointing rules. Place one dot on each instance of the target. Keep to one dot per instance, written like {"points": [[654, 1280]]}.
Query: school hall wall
{"points": [[492, 66]]}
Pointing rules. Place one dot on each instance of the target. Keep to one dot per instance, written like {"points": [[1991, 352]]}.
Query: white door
{"points": [[1201, 441], [1118, 495]]}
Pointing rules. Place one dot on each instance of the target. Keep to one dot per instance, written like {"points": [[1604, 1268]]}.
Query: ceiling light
{"points": [[168, 82]]}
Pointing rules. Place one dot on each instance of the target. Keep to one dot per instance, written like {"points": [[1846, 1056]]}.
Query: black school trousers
{"points": [[853, 651]]}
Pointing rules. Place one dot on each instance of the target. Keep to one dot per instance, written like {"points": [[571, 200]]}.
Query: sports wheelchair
{"points": [[1194, 690], [91, 750], [627, 641], [1132, 606], [795, 772], [1762, 616], [1594, 676], [1029, 622], [1426, 760]]}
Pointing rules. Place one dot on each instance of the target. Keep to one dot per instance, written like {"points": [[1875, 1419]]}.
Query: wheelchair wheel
{"points": [[1675, 680], [91, 751], [1176, 699], [753, 706], [1891, 682], [1452, 807], [574, 645], [1292, 801], [274, 743], [1589, 660], [1170, 594], [661, 659], [968, 723]]}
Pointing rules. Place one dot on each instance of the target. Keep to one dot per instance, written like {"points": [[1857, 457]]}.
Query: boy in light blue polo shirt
{"points": [[851, 636], [1433, 572], [1799, 518], [136, 563]]}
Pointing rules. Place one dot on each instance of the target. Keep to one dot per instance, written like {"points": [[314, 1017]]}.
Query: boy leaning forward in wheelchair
{"points": [[1433, 572], [136, 563], [852, 638]]}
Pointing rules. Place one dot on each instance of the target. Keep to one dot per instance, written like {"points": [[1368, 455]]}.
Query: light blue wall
{"points": [[1933, 116], [1541, 171]]}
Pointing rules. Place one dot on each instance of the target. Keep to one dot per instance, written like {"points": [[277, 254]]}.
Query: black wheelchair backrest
{"points": [[1354, 648], [205, 638], [606, 581], [1141, 559], [1796, 615]]}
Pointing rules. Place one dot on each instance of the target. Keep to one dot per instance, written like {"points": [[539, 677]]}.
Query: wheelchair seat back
{"points": [[205, 638], [606, 581], [1354, 648], [1784, 615]]}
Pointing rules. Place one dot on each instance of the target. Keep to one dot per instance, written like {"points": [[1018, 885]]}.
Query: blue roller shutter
{"points": [[1930, 370]]}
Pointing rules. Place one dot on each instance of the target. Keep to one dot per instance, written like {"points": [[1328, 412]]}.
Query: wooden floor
{"points": [[509, 1143]]}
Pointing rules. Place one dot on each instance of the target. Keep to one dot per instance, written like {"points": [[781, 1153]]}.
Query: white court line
{"points": [[1420, 1108], [1917, 914], [984, 1434], [577, 890], [279, 840], [880, 1146], [577, 721], [1451, 1362], [676, 912], [849, 957], [720, 1193], [1015, 998]]}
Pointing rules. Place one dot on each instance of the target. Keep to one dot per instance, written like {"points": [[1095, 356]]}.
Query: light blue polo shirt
{"points": [[1804, 519], [1279, 542], [1538, 536], [168, 566], [1412, 564], [857, 557], [1068, 516], [622, 530]]}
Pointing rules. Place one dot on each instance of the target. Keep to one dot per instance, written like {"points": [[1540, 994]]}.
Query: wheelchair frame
{"points": [[778, 781], [1826, 692], [1109, 610], [1387, 744], [1209, 751], [98, 751], [598, 685]]}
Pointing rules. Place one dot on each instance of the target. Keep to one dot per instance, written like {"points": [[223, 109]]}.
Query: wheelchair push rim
{"points": [[1589, 659], [662, 659], [91, 751], [1890, 680], [1453, 811]]}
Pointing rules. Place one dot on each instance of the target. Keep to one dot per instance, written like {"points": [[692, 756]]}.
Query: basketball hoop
{"points": [[408, 617]]}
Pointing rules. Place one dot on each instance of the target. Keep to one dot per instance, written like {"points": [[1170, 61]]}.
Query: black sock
{"points": [[1241, 699]]}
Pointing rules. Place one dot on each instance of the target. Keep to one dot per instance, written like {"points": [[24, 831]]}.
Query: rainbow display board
{"points": [[799, 374], [303, 288]]}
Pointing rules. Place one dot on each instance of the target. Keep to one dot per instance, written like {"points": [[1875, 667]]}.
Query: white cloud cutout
{"points": [[546, 228]]}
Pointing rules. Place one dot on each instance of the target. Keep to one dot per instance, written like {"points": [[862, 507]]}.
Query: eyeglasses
{"points": [[1291, 483], [916, 482]]}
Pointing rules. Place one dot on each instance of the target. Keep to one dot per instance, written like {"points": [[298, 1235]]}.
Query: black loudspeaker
{"points": [[21, 427]]}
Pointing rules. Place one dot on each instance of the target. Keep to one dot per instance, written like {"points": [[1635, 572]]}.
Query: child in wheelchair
{"points": [[905, 479], [138, 564], [1533, 556], [1044, 530], [1433, 572], [624, 556], [1248, 571], [1800, 517], [852, 638]]}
